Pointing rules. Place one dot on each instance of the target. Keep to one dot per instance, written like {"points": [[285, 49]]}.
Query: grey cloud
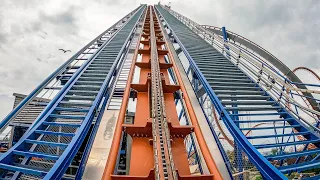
{"points": [[3, 74], [313, 62], [26, 4], [3, 39], [275, 14], [36, 26], [64, 18], [64, 22], [5, 105], [259, 14]]}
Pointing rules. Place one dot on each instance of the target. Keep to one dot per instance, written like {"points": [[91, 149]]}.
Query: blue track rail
{"points": [[240, 100], [47, 149]]}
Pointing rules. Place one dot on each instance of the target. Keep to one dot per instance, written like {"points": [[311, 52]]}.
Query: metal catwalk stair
{"points": [[30, 107], [48, 147], [245, 102]]}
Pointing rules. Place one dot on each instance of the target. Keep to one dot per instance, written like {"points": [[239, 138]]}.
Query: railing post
{"points": [[260, 74], [282, 91]]}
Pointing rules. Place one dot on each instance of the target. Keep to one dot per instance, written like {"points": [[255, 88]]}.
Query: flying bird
{"points": [[64, 51]]}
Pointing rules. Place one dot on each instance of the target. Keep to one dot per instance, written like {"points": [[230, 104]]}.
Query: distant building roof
{"points": [[30, 112]]}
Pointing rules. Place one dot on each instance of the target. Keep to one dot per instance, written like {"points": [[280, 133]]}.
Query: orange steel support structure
{"points": [[158, 150]]}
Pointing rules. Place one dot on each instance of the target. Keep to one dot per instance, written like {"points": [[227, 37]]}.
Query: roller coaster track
{"points": [[199, 102], [308, 70]]}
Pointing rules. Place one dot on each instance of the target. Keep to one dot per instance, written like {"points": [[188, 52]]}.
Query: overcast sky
{"points": [[32, 31]]}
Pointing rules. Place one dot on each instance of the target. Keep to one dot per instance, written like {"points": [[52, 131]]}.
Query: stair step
{"points": [[104, 53], [62, 116], [263, 120], [247, 102], [203, 69], [213, 65], [97, 68], [269, 127], [83, 98], [260, 114], [98, 64], [225, 73], [262, 146], [244, 97], [252, 108], [86, 87], [73, 67], [105, 57], [99, 71], [217, 68], [16, 168], [215, 59], [86, 74], [293, 154], [300, 167], [72, 103], [29, 141], [54, 133], [196, 54], [92, 78], [35, 154], [83, 92], [239, 92], [61, 124], [93, 83], [237, 84], [236, 88], [72, 109], [231, 80], [277, 135]]}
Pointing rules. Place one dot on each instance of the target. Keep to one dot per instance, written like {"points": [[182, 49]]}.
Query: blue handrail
{"points": [[263, 62]]}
